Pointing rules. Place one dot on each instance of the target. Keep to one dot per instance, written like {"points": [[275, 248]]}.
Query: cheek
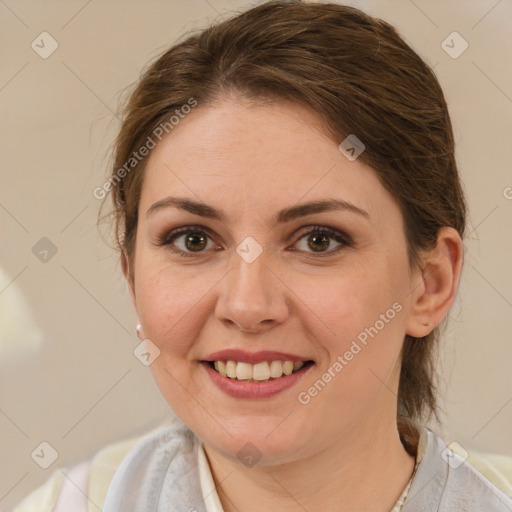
{"points": [[348, 301], [171, 305], [361, 331]]}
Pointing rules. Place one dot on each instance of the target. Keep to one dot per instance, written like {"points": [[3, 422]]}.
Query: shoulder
{"points": [[494, 467], [162, 466], [487, 474], [453, 479], [70, 489], [466, 486]]}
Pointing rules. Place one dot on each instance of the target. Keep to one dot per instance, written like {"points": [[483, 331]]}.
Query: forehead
{"points": [[264, 157]]}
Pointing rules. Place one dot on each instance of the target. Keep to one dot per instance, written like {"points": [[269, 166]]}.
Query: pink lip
{"points": [[253, 357], [245, 389]]}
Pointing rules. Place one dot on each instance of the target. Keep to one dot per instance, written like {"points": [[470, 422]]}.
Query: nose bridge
{"points": [[252, 296]]}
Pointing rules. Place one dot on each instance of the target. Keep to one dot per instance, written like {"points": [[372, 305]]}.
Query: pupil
{"points": [[324, 238]]}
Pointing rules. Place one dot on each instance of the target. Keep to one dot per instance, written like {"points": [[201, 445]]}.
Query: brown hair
{"points": [[360, 77]]}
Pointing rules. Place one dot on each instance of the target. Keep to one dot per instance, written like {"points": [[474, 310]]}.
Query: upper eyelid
{"points": [[299, 233], [193, 227]]}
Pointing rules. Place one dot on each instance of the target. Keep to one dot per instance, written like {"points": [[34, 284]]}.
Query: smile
{"points": [[238, 380], [260, 372]]}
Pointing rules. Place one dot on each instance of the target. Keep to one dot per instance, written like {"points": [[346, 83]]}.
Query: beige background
{"points": [[83, 388]]}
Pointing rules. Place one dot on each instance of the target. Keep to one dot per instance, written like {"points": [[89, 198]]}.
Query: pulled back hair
{"points": [[360, 77]]}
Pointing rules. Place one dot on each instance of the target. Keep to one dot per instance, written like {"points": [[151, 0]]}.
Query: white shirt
{"points": [[210, 496]]}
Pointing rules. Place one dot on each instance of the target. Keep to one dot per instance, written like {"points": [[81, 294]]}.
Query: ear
{"points": [[126, 272], [436, 288]]}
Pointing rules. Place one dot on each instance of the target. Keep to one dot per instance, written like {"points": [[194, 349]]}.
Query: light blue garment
{"points": [[161, 474], [445, 482]]}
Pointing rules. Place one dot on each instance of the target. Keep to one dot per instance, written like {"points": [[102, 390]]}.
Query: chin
{"points": [[251, 439]]}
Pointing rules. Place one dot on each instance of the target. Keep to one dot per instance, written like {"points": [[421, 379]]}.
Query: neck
{"points": [[367, 458]]}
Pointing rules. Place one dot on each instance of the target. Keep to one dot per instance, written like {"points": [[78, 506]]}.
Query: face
{"points": [[329, 288]]}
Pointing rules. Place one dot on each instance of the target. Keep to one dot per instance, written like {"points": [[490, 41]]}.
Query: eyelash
{"points": [[338, 236]]}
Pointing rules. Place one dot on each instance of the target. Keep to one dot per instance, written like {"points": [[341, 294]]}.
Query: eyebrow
{"points": [[286, 215]]}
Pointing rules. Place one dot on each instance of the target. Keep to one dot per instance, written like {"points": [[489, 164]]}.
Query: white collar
{"points": [[210, 496]]}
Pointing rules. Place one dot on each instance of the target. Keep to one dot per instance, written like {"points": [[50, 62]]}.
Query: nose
{"points": [[252, 297]]}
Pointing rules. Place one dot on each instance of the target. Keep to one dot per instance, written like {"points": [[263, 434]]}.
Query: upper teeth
{"points": [[260, 371]]}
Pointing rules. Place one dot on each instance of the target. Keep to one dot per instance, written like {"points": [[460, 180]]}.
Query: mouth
{"points": [[264, 371]]}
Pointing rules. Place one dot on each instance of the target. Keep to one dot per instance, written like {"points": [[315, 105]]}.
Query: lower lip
{"points": [[245, 389]]}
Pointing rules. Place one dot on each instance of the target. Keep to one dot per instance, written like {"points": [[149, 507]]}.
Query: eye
{"points": [[194, 239], [318, 239]]}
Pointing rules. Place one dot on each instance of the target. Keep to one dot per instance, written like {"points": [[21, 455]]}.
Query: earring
{"points": [[138, 329]]}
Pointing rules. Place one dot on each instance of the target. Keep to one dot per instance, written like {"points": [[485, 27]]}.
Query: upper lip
{"points": [[253, 357]]}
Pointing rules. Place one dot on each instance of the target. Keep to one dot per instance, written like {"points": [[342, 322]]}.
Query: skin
{"points": [[251, 162]]}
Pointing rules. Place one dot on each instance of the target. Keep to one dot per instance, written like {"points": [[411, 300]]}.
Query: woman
{"points": [[290, 219]]}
